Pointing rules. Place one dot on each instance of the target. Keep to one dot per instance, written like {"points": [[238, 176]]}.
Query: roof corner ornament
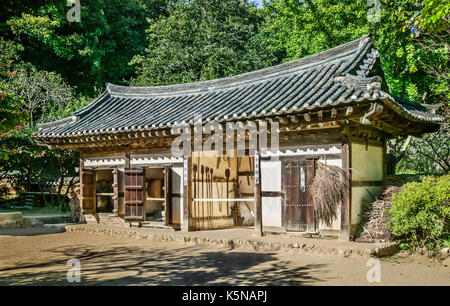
{"points": [[374, 110]]}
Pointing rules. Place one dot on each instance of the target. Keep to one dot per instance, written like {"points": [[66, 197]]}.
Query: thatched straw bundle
{"points": [[330, 189]]}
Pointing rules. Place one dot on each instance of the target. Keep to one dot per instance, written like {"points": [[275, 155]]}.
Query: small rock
{"points": [[444, 253]]}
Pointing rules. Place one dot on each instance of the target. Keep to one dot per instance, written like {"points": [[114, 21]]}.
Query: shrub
{"points": [[420, 214]]}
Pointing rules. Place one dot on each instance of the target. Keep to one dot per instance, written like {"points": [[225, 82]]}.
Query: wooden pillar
{"points": [[127, 158], [167, 194], [116, 191], [346, 205], [187, 194], [257, 195], [81, 189]]}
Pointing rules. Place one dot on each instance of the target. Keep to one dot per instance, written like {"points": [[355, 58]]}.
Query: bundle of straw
{"points": [[330, 189]]}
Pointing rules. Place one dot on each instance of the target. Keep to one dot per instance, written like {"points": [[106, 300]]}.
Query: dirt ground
{"points": [[39, 257]]}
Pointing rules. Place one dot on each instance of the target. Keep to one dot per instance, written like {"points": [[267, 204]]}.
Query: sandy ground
{"points": [[39, 257]]}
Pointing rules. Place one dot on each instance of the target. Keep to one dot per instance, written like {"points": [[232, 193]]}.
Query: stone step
{"points": [[153, 224]]}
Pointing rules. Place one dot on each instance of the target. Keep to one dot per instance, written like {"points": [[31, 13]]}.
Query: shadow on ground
{"points": [[181, 266], [31, 231]]}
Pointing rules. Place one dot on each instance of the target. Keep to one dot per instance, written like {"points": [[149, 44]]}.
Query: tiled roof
{"points": [[333, 77]]}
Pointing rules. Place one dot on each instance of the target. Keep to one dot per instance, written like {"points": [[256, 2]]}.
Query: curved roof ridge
{"points": [[328, 56]]}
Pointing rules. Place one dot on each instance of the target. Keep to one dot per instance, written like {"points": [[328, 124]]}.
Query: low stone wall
{"points": [[11, 220], [256, 244]]}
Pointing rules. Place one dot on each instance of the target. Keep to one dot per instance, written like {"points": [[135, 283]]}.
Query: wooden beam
{"points": [[127, 158], [167, 194], [346, 205], [116, 191], [81, 189]]}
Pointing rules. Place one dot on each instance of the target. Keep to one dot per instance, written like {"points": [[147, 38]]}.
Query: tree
{"points": [[10, 111], [45, 94], [412, 38], [201, 40], [297, 28], [424, 27], [87, 53]]}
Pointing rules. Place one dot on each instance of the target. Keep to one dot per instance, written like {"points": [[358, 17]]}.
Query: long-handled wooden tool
{"points": [[227, 175], [207, 196], [211, 193], [202, 171]]}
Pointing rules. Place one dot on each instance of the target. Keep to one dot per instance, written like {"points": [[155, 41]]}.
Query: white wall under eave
{"points": [[271, 181], [135, 161], [104, 162]]}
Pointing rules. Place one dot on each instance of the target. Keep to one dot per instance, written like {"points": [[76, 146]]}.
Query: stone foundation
{"points": [[312, 247]]}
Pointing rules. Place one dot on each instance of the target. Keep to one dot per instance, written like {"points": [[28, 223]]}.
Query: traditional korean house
{"points": [[331, 108]]}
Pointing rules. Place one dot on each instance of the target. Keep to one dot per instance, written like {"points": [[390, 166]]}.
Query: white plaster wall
{"points": [[104, 162], [144, 160], [271, 181]]}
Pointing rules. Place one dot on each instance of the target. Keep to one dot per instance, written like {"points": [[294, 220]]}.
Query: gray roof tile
{"points": [[329, 78]]}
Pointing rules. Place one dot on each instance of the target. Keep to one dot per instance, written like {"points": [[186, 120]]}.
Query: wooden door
{"points": [[134, 194], [87, 182], [297, 202], [176, 195]]}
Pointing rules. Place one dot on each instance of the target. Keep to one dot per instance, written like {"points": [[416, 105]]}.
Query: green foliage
{"points": [[428, 15], [201, 40], [45, 95], [25, 162], [428, 154], [87, 53], [9, 55], [295, 29], [11, 114], [422, 26], [420, 213]]}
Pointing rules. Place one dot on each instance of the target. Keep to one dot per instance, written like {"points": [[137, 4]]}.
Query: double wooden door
{"points": [[297, 200]]}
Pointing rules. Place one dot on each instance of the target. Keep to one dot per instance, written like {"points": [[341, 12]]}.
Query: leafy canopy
{"points": [[201, 40]]}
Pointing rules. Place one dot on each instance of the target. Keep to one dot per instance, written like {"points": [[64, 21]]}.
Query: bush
{"points": [[420, 214]]}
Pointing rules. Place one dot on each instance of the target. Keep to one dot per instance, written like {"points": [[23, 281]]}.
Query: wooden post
{"points": [[167, 194], [127, 158], [187, 194], [81, 189], [257, 195], [116, 191], [346, 205]]}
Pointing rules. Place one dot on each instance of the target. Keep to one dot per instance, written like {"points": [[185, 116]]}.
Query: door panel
{"points": [[88, 192], [134, 194], [176, 195], [298, 209], [271, 193]]}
